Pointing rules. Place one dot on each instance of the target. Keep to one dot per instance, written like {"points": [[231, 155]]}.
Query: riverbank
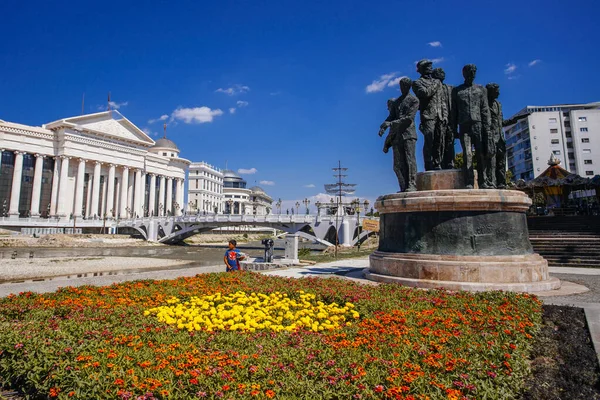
{"points": [[80, 240], [22, 269]]}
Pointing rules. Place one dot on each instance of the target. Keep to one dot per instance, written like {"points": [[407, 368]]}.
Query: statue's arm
{"points": [[486, 117], [453, 111], [423, 90], [409, 117]]}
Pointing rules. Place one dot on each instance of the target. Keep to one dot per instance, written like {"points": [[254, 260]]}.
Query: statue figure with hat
{"points": [[429, 92], [402, 137]]}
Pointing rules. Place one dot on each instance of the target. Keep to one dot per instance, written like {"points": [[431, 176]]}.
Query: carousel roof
{"points": [[555, 175]]}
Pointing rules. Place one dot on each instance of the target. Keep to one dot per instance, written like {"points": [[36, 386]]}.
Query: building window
{"points": [[196, 183], [587, 151], [568, 134], [556, 152], [566, 114], [165, 154], [553, 130], [589, 172], [569, 145], [571, 155], [585, 140], [554, 141], [567, 124], [584, 129], [552, 120], [587, 161], [582, 119]]}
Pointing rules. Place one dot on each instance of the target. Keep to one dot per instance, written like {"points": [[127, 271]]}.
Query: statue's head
{"points": [[493, 90], [405, 85], [439, 73], [424, 67], [469, 71]]}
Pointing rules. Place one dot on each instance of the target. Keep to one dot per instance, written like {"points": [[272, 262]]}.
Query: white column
{"points": [[152, 197], [96, 190], [37, 185], [161, 197], [88, 198], [104, 186], [15, 192], [79, 189], [55, 179], [143, 195], [124, 189], [180, 195], [137, 197], [169, 196], [63, 210], [110, 192], [130, 183]]}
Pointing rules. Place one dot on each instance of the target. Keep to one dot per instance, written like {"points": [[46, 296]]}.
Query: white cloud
{"points": [[310, 185], [268, 183], [196, 115], [394, 81], [534, 62], [510, 68], [235, 89], [241, 103], [247, 171], [379, 84], [148, 132], [435, 44], [511, 77], [116, 106], [163, 117], [232, 110], [438, 60]]}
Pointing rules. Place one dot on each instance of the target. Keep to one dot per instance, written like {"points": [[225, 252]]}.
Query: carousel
{"points": [[563, 192]]}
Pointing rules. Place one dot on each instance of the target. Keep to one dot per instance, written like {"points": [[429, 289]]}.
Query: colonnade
{"points": [[111, 191]]}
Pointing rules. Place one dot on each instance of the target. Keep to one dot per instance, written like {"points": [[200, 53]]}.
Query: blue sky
{"points": [[285, 88]]}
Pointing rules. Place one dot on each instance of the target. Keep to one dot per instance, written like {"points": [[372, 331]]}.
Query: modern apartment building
{"points": [[570, 132]]}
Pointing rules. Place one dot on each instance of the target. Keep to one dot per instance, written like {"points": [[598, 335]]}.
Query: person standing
{"points": [[403, 135], [429, 92], [232, 257]]}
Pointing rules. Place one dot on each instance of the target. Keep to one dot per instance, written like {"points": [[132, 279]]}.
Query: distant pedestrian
{"points": [[232, 257]]}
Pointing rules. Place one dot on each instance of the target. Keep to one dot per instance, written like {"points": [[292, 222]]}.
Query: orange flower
{"points": [[270, 394], [54, 391]]}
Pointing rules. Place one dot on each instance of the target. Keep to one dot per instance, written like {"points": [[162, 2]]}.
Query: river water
{"points": [[200, 255]]}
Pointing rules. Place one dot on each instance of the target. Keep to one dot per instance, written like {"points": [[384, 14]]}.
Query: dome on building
{"points": [[227, 173], [165, 144], [257, 189]]}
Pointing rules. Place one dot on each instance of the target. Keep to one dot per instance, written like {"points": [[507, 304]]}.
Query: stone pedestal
{"points": [[459, 240]]}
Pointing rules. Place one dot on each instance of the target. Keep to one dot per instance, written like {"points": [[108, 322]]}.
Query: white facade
{"points": [[90, 166], [238, 199], [569, 132], [205, 189]]}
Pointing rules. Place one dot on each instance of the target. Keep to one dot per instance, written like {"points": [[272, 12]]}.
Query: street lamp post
{"points": [[306, 203], [318, 204], [297, 206]]}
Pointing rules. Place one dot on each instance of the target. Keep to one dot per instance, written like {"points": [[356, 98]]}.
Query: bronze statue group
{"points": [[469, 112]]}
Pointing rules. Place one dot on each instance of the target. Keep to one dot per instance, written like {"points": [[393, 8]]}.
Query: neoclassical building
{"points": [[93, 166], [205, 189], [240, 200]]}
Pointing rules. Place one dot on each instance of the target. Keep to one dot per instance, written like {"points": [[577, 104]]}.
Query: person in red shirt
{"points": [[232, 257]]}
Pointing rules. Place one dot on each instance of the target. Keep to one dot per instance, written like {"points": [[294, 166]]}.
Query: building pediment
{"points": [[108, 124]]}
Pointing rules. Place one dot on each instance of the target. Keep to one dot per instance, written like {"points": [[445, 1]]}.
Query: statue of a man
{"points": [[448, 150], [429, 93], [403, 136], [471, 120], [496, 166]]}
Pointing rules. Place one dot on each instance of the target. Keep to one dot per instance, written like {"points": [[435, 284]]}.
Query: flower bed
{"points": [[306, 338]]}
